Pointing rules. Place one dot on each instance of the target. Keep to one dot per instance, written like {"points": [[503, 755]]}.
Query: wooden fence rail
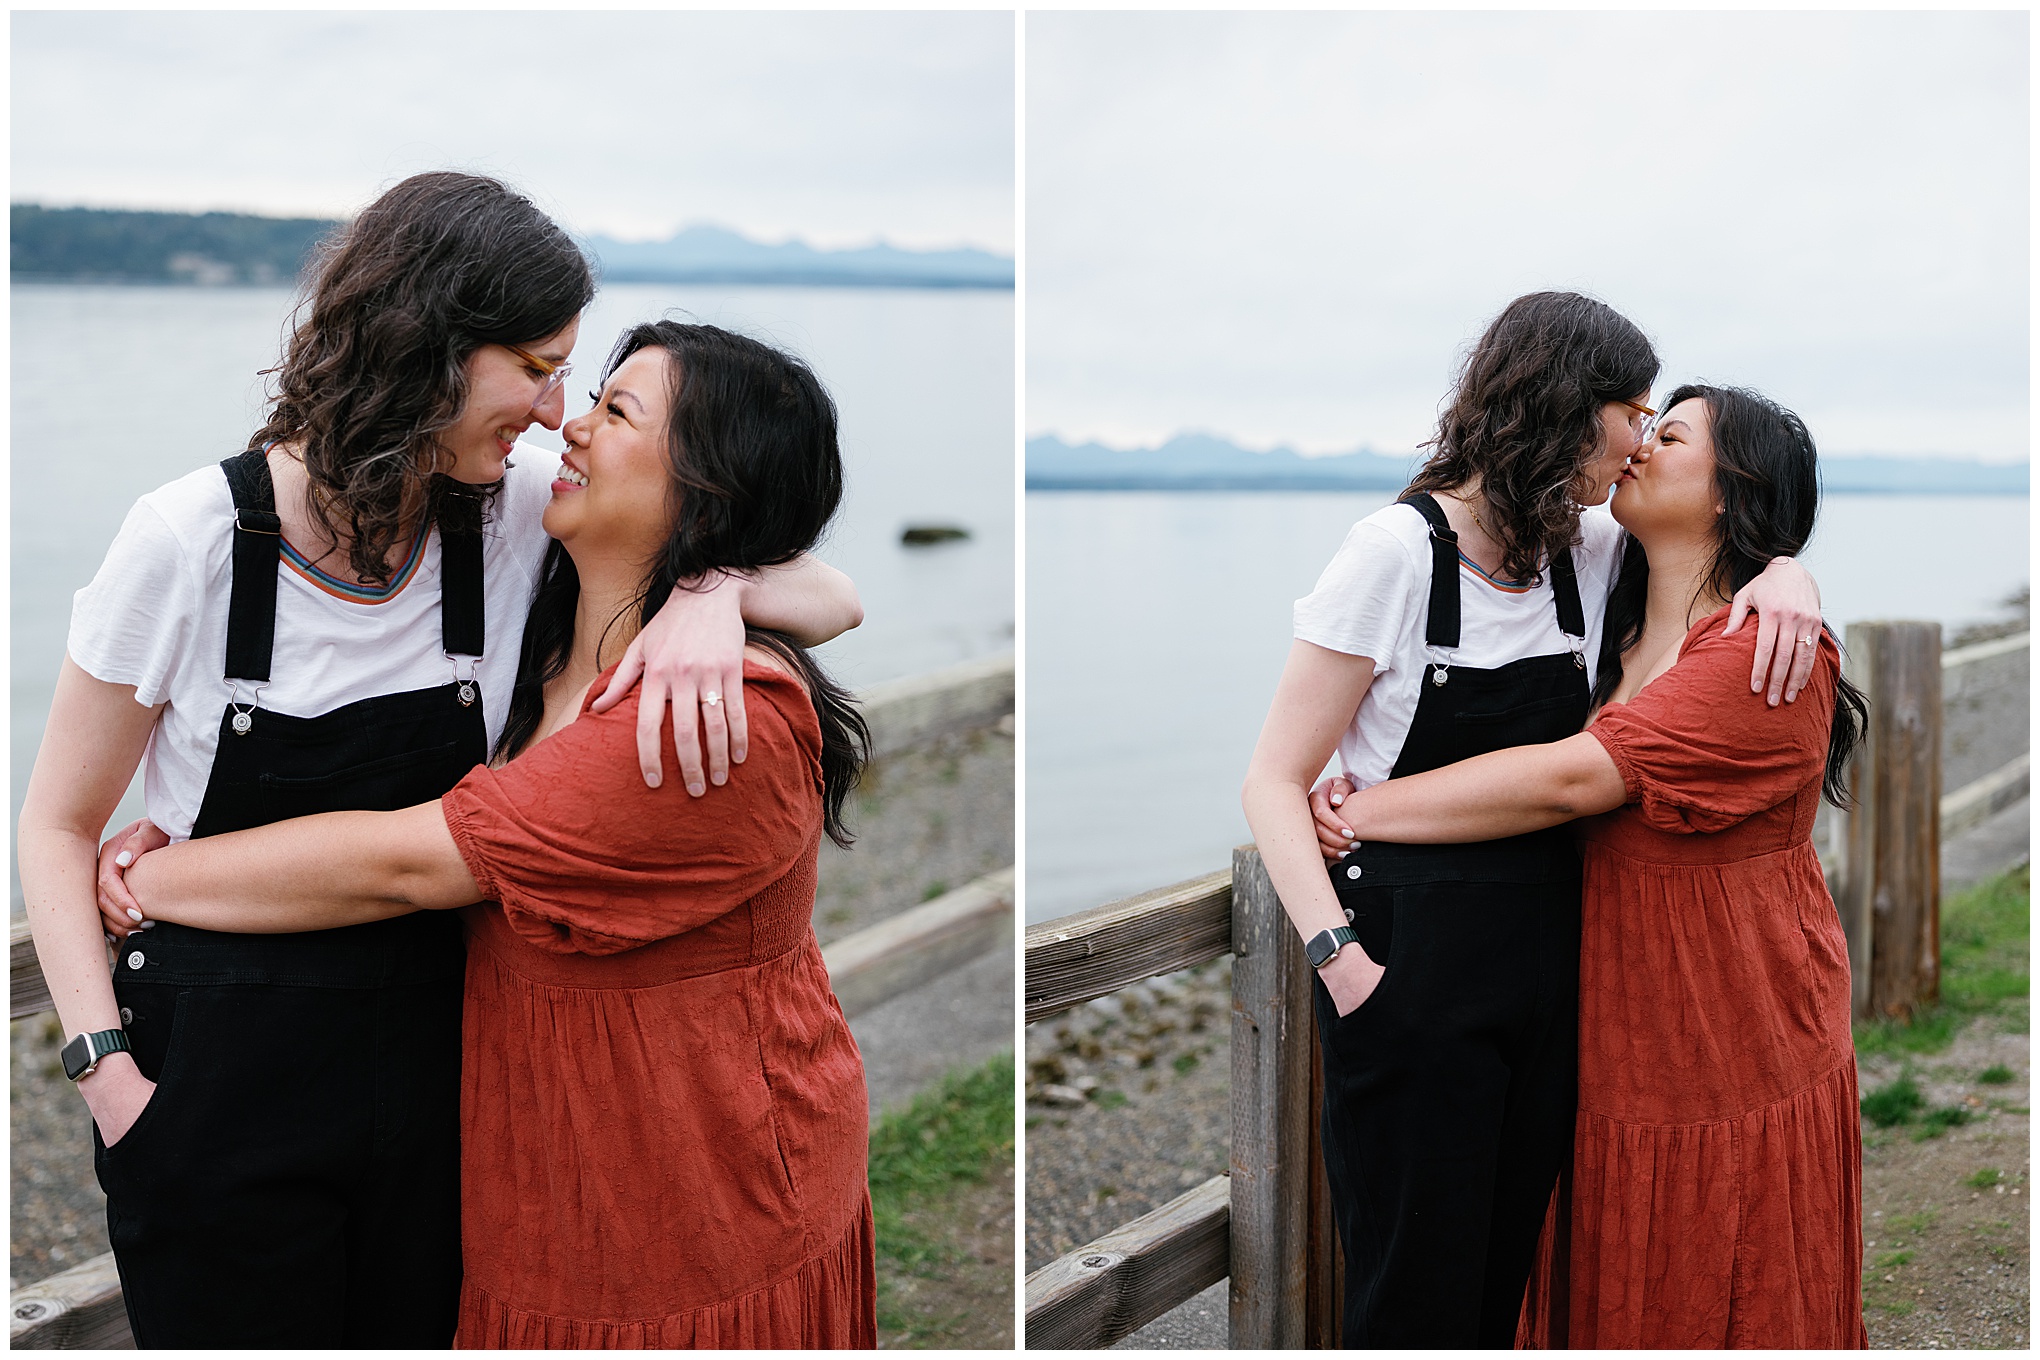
{"points": [[1275, 1235]]}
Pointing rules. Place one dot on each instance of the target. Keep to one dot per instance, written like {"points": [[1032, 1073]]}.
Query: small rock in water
{"points": [[920, 535]]}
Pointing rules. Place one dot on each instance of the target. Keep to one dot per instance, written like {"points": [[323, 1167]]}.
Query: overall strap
{"points": [[1441, 624], [258, 538], [461, 616], [1565, 590]]}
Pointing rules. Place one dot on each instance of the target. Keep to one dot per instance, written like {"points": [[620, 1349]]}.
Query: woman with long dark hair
{"points": [[1717, 1164], [1465, 618], [663, 1111], [330, 619]]}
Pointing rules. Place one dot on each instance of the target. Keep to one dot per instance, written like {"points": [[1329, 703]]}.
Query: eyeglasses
{"points": [[1649, 415], [552, 375]]}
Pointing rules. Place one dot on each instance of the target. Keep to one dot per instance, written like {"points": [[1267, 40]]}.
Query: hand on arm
{"points": [[1317, 697], [1502, 793], [1786, 599], [309, 873], [694, 647], [91, 746]]}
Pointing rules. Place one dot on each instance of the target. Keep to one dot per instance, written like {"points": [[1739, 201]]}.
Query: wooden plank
{"points": [[922, 943], [80, 1309], [1892, 894], [27, 992], [1973, 802], [1131, 1276], [1272, 1042], [1956, 657], [1074, 959], [905, 713]]}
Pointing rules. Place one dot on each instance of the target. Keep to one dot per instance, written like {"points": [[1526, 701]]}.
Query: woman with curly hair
{"points": [[330, 620], [1464, 618]]}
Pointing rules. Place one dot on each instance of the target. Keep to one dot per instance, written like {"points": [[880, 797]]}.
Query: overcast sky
{"points": [[1284, 228], [840, 128]]}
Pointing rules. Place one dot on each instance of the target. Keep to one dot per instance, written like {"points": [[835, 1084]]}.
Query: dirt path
{"points": [[1947, 1234], [968, 1304]]}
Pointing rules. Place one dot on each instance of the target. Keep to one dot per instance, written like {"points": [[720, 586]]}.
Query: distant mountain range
{"points": [[98, 245], [1202, 462], [703, 254]]}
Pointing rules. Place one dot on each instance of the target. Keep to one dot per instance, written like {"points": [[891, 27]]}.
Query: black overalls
{"points": [[295, 1180], [1449, 1093]]}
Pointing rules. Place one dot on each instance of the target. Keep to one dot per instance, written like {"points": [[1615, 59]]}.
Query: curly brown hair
{"points": [[1524, 417], [375, 369]]}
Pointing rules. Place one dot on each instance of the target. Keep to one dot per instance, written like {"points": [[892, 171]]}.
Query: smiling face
{"points": [[611, 497], [1621, 437], [1669, 485], [500, 390]]}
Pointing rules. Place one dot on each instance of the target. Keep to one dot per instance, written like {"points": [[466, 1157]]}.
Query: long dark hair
{"points": [[375, 370], [754, 478], [1525, 417], [1767, 474]]}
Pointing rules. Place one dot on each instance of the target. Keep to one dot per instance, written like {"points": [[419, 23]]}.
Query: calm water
{"points": [[1158, 624], [118, 390]]}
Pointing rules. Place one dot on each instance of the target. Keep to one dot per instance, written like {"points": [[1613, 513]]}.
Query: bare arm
{"points": [[1502, 793], [1319, 693], [694, 647], [308, 873], [91, 746]]}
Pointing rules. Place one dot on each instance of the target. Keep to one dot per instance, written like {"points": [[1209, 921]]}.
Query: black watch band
{"points": [[83, 1053], [1321, 946]]}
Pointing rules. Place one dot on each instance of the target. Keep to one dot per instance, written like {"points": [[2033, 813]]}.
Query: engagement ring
{"points": [[711, 698]]}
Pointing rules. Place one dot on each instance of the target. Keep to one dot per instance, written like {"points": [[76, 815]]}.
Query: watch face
{"points": [[77, 1056]]}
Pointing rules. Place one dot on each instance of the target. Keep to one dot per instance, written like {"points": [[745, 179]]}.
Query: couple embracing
{"points": [[376, 669], [1585, 1085]]}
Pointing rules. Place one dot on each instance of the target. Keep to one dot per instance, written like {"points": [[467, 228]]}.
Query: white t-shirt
{"points": [[155, 617], [1373, 601]]}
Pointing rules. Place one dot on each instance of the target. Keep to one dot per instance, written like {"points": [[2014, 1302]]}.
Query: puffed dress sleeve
{"points": [[584, 858], [1699, 752]]}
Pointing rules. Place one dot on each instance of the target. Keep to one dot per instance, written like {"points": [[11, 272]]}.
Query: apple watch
{"points": [[1322, 946], [83, 1053]]}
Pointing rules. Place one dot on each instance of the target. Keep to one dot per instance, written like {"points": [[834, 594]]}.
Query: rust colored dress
{"points": [[1717, 1176], [662, 1110]]}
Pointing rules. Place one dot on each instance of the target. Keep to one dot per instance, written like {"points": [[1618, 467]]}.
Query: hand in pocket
{"points": [[117, 1093], [1351, 977]]}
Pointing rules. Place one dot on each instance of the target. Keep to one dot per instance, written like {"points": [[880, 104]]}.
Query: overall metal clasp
{"points": [[243, 720], [469, 688]]}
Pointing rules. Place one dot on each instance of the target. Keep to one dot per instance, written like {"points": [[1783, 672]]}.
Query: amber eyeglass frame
{"points": [[1649, 414], [555, 374]]}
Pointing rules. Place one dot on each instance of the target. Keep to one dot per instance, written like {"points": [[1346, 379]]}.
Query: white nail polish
{"points": [[124, 859], [134, 915], [1338, 799]]}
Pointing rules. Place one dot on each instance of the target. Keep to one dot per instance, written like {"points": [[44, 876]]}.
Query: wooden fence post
{"points": [[1277, 1275], [1891, 900]]}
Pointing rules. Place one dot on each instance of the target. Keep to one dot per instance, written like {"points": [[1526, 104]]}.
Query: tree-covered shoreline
{"points": [[102, 245]]}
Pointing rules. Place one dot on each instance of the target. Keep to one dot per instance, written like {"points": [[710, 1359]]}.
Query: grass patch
{"points": [[1110, 1099], [1985, 935], [955, 1132], [1913, 1224], [1892, 1259], [1895, 1307], [1984, 1179], [1184, 1063], [1940, 1121], [1895, 1103], [1997, 1074]]}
